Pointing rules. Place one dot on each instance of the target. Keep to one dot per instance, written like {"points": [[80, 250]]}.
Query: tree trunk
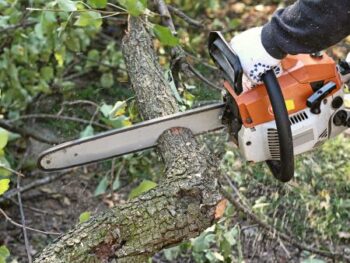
{"points": [[180, 207]]}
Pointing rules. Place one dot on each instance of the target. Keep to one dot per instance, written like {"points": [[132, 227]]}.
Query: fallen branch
{"points": [[26, 133], [23, 221], [24, 24], [58, 117], [26, 227], [78, 102], [46, 180]]}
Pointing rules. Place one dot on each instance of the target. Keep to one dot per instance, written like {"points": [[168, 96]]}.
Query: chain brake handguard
{"points": [[226, 59]]}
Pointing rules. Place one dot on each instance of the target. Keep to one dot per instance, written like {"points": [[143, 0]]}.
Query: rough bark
{"points": [[180, 207]]}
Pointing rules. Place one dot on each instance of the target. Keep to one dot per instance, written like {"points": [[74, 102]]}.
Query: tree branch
{"points": [[42, 181], [58, 117], [180, 207], [24, 24], [179, 55], [26, 133], [26, 227], [166, 17], [186, 18], [202, 78]]}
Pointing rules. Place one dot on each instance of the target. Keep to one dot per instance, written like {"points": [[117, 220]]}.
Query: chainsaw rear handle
{"points": [[283, 170], [227, 60]]}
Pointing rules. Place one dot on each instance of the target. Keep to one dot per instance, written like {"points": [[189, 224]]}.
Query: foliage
{"points": [[134, 7], [219, 243], [85, 216], [4, 164], [143, 187], [102, 186], [4, 254], [165, 36]]}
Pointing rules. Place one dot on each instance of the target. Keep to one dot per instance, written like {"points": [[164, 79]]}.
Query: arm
{"points": [[306, 26]]}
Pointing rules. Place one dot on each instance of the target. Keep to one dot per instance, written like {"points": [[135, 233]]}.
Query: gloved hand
{"points": [[254, 58]]}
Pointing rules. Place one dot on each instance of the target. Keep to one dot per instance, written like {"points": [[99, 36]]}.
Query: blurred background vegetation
{"points": [[62, 76]]}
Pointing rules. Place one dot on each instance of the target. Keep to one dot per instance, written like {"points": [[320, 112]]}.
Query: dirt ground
{"points": [[54, 207]]}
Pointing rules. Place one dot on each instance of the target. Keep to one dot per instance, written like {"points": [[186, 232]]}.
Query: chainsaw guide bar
{"points": [[122, 141]]}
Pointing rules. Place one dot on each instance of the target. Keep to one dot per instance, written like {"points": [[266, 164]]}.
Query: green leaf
{"points": [[225, 248], [93, 58], [145, 186], [4, 136], [72, 43], [234, 23], [134, 7], [169, 77], [60, 56], [116, 183], [87, 132], [118, 109], [85, 216], [102, 186], [105, 109], [4, 185], [97, 3], [116, 112], [118, 122], [4, 252], [67, 5], [165, 36], [172, 253], [107, 80], [231, 236], [313, 260], [214, 256], [203, 242], [13, 136], [46, 73], [89, 18], [4, 163]]}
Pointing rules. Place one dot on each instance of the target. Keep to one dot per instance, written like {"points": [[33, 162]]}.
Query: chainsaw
{"points": [[272, 122]]}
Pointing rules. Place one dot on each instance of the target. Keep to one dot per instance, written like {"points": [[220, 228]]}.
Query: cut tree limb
{"points": [[180, 207]]}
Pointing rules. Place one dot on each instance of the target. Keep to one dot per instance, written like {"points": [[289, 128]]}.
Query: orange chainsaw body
{"points": [[300, 72]]}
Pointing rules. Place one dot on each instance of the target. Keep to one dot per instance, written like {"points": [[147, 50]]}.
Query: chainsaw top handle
{"points": [[227, 60], [283, 170]]}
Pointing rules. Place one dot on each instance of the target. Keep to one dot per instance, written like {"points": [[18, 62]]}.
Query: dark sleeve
{"points": [[307, 26]]}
